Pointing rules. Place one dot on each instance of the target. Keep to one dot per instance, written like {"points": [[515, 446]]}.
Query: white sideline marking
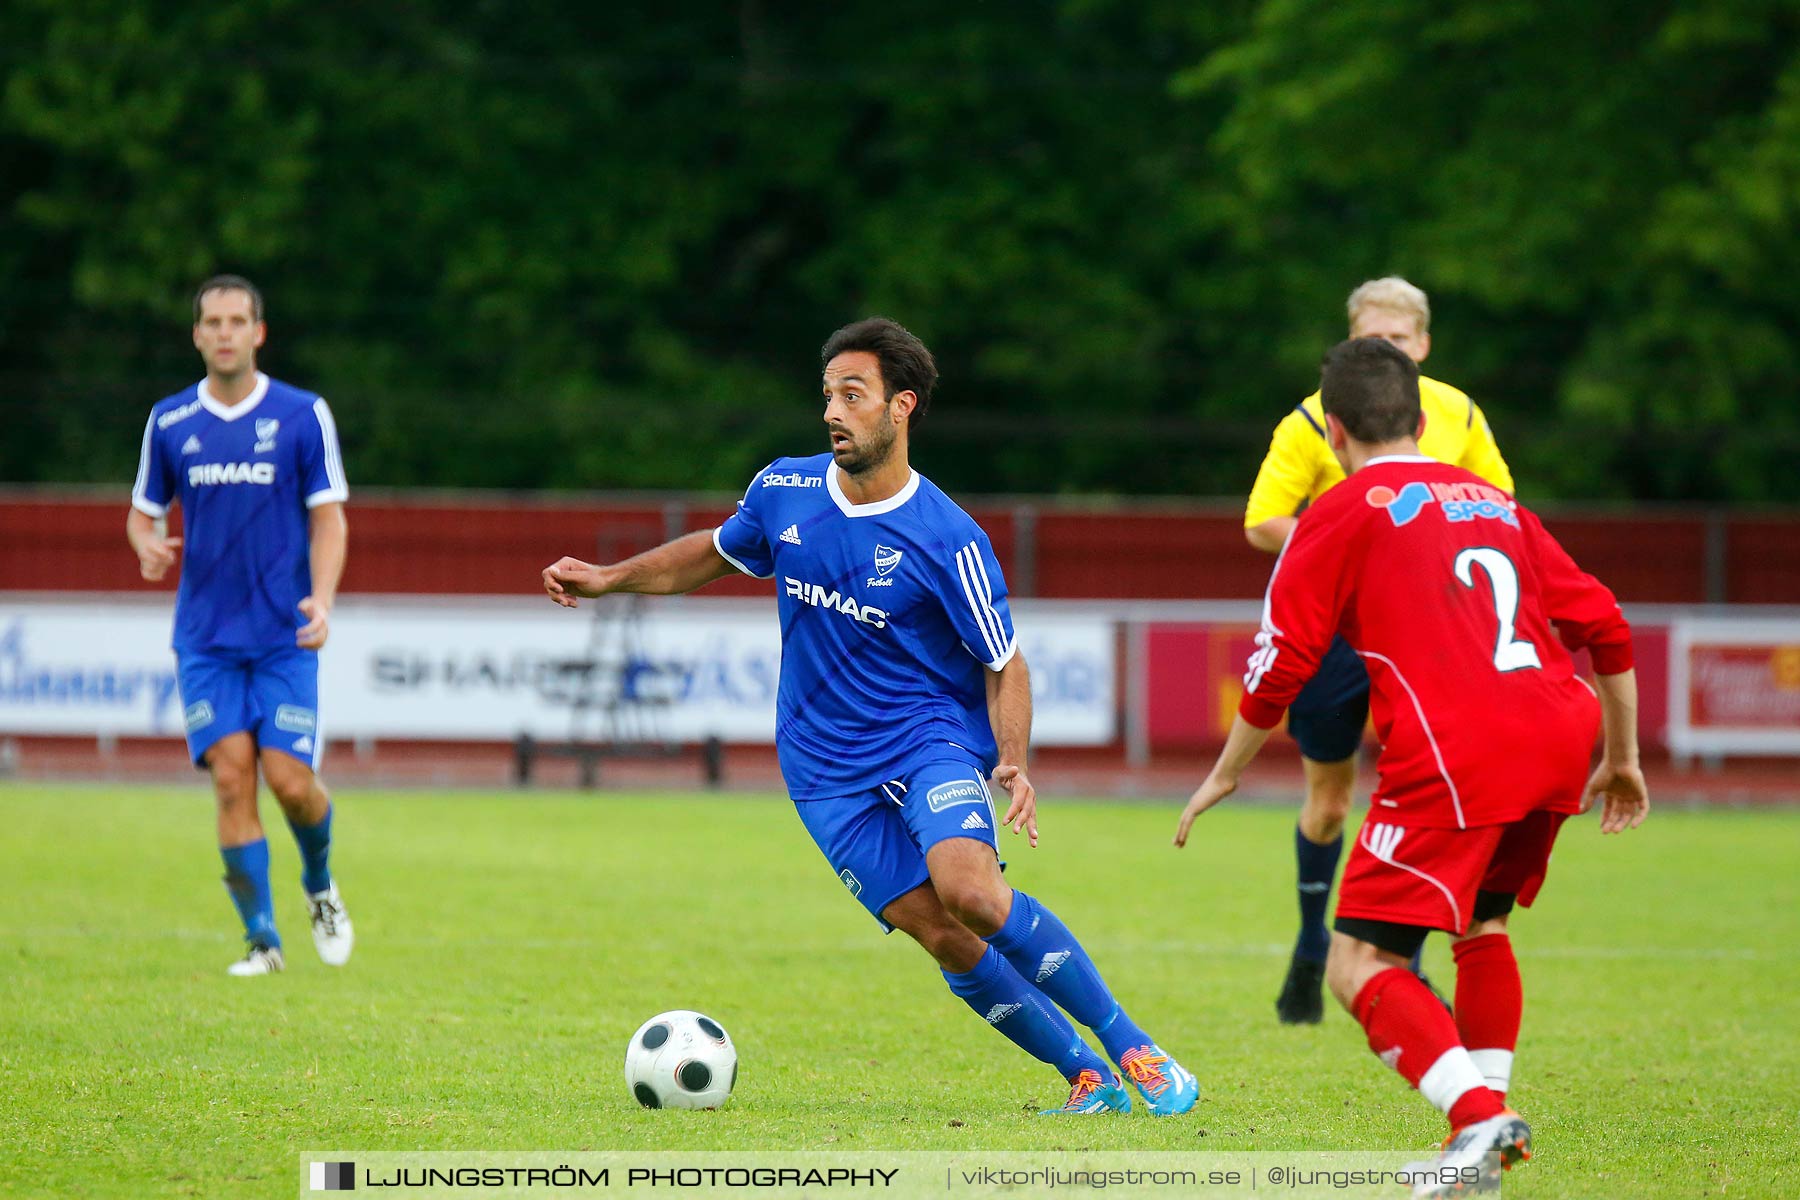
{"points": [[1526, 951]]}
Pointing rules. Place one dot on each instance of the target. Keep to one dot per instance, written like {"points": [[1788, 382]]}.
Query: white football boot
{"points": [[331, 929], [259, 960], [1473, 1157]]}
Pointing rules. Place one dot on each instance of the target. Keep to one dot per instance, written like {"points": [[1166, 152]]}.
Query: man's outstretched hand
{"points": [[1021, 814], [155, 556], [1209, 793], [1626, 797], [567, 578]]}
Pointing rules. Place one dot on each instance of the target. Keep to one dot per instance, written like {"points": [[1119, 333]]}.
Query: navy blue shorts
{"points": [[1328, 715], [876, 840], [273, 696]]}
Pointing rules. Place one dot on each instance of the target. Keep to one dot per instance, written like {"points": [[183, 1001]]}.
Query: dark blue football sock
{"points": [[1318, 866], [1001, 997], [315, 852], [247, 879], [1043, 950]]}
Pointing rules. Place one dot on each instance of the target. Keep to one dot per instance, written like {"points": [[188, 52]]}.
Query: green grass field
{"points": [[509, 944]]}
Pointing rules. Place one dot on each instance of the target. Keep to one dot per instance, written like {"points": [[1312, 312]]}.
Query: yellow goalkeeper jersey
{"points": [[1300, 467]]}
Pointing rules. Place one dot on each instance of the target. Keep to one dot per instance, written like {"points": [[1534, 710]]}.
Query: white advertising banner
{"points": [[1734, 686], [490, 669], [87, 667]]}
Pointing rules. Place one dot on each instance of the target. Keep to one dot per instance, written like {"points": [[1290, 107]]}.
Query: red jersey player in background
{"points": [[1448, 590]]}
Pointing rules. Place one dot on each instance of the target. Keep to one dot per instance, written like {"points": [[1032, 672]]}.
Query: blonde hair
{"points": [[1391, 294]]}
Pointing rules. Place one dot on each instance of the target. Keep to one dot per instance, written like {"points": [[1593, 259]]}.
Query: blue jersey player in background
{"points": [[902, 691], [255, 466]]}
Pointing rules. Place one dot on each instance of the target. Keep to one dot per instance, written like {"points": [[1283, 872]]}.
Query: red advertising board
{"points": [[1744, 687], [1195, 676], [1734, 685]]}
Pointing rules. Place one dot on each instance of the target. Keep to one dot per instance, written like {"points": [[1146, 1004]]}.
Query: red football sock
{"points": [[1410, 1031], [1489, 1001]]}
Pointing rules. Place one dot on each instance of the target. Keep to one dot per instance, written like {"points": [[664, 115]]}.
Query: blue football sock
{"points": [[1318, 866], [1043, 950], [315, 852], [1001, 997], [247, 879], [1417, 965]]}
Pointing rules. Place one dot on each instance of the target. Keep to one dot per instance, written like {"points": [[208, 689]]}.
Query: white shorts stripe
{"points": [[318, 750], [1382, 840]]}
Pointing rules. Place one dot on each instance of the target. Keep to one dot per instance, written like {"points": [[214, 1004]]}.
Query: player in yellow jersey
{"points": [[1328, 716]]}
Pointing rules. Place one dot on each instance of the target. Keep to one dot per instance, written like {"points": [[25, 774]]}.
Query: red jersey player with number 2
{"points": [[1461, 606]]}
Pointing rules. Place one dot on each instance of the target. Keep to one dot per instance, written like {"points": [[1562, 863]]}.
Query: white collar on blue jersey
{"points": [[1387, 458], [875, 507], [231, 412]]}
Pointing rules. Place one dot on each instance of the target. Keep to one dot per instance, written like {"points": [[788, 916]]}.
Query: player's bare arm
{"points": [[1241, 748], [688, 562], [1009, 712], [329, 537], [1618, 781], [1272, 534], [155, 553]]}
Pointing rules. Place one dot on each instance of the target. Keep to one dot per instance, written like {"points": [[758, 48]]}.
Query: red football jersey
{"points": [[1447, 588]]}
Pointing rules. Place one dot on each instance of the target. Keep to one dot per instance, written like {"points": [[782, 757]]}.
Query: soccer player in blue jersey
{"points": [[254, 464], [902, 691]]}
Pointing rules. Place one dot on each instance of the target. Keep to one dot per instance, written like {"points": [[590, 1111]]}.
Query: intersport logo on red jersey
{"points": [[1459, 502]]}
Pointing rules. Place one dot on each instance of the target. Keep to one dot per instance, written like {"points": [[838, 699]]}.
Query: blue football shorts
{"points": [[272, 695], [876, 840], [1328, 715]]}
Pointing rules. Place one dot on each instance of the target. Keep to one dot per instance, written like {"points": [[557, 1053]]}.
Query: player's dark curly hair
{"points": [[229, 283], [906, 365], [1372, 386]]}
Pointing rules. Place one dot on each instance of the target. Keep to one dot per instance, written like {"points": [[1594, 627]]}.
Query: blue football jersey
{"points": [[245, 476], [891, 613]]}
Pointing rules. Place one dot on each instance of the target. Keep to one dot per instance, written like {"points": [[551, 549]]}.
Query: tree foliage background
{"points": [[563, 246]]}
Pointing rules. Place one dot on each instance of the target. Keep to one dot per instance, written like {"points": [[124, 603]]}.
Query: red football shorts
{"points": [[1429, 877]]}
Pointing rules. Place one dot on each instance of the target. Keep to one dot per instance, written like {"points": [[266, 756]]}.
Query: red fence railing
{"points": [[477, 543]]}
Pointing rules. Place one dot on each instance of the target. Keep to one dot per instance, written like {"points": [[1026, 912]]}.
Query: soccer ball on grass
{"points": [[680, 1059]]}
